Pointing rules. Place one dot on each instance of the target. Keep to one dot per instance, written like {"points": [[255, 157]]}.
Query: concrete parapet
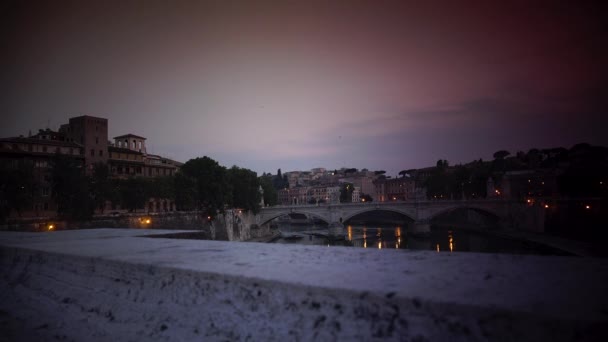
{"points": [[100, 285]]}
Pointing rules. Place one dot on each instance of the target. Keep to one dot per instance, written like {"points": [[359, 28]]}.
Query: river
{"points": [[442, 239]]}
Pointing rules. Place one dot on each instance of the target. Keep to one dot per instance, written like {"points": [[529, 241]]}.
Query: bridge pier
{"points": [[421, 227]]}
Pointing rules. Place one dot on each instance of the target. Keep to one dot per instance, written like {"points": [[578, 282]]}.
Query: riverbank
{"points": [[113, 284]]}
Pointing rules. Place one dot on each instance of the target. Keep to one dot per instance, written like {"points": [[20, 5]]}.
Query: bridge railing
{"points": [[388, 203]]}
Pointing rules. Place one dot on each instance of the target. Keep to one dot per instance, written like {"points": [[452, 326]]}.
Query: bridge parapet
{"points": [[421, 212]]}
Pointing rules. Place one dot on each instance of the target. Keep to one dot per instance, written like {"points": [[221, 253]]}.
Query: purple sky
{"points": [[302, 84]]}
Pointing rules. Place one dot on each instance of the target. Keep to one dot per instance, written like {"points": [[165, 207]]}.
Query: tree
{"points": [[185, 191], [17, 187], [270, 193], [346, 193], [101, 186], [245, 187], [380, 172], [161, 187], [71, 188], [442, 164], [134, 193], [212, 190], [407, 172], [502, 154]]}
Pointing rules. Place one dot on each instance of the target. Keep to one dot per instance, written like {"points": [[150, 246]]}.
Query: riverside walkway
{"points": [[116, 285]]}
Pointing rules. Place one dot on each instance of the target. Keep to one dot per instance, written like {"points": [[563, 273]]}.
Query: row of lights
{"points": [[547, 206]]}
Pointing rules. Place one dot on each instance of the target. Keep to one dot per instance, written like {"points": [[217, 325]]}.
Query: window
{"points": [[100, 153], [46, 206], [45, 191], [119, 170], [92, 153], [139, 169], [44, 148], [96, 138]]}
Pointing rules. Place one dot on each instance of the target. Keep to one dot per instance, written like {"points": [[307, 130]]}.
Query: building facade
{"points": [[85, 140]]}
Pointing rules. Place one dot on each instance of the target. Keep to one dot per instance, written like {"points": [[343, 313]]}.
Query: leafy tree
{"points": [[270, 193], [17, 187], [379, 172], [212, 187], [134, 193], [71, 188], [101, 186], [502, 154], [245, 186], [162, 187], [442, 164], [346, 193], [185, 191], [404, 173]]}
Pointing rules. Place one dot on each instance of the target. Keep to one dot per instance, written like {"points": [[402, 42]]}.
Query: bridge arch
{"points": [[485, 211], [276, 215], [350, 215]]}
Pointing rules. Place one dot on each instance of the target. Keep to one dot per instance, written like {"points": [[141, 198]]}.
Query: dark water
{"points": [[441, 239]]}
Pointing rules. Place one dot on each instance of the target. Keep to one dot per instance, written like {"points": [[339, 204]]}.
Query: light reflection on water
{"points": [[381, 237], [440, 239]]}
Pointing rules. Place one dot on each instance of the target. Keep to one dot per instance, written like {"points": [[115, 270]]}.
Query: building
{"points": [[395, 189], [356, 196], [85, 139], [91, 133], [35, 154]]}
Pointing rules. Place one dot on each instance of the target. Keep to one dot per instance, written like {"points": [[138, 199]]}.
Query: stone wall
{"points": [[132, 288], [233, 225]]}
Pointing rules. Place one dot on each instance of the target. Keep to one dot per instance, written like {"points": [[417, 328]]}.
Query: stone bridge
{"points": [[421, 212]]}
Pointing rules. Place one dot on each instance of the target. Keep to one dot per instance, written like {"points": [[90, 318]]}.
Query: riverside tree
{"points": [[212, 190], [244, 189], [71, 188]]}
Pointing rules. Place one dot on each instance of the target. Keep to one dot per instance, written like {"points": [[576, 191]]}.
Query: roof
{"points": [[129, 136]]}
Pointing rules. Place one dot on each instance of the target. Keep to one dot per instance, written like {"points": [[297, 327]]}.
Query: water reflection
{"points": [[451, 240], [440, 239]]}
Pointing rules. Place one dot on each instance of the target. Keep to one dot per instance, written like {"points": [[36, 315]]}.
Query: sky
{"points": [[383, 85]]}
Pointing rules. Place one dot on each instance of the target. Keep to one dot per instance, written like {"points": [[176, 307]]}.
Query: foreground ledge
{"points": [[114, 284]]}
